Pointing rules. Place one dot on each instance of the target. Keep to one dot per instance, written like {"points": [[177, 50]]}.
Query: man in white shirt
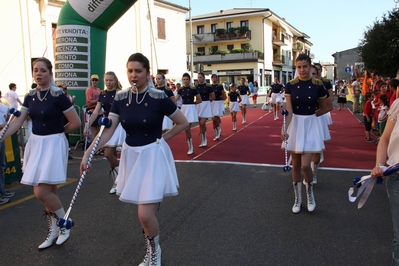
{"points": [[12, 96]]}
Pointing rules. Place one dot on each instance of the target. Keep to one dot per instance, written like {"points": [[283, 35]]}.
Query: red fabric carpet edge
{"points": [[259, 141]]}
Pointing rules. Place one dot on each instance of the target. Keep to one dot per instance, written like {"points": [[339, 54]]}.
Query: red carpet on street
{"points": [[259, 141]]}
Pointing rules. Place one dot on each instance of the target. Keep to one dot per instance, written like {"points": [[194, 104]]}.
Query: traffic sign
{"points": [[348, 70]]}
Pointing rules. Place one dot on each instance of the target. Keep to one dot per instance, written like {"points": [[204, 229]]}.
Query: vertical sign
{"points": [[72, 67], [13, 171]]}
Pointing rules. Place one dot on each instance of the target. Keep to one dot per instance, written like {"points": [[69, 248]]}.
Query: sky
{"points": [[333, 26]]}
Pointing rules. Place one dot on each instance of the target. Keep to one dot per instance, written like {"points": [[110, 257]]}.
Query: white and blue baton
{"points": [[366, 183], [286, 167], [66, 221], [14, 113]]}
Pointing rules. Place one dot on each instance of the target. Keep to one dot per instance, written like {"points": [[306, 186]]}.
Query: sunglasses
{"points": [[94, 80]]}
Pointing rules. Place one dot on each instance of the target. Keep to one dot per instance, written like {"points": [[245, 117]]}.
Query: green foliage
{"points": [[220, 32], [232, 31], [243, 29], [379, 48], [212, 50], [260, 53], [248, 48], [237, 50], [222, 51], [199, 53]]}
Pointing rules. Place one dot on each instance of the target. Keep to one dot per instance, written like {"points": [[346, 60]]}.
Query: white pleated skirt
{"points": [[324, 127], [305, 135], [118, 138], [167, 123], [204, 109], [328, 118], [217, 108], [234, 107], [45, 160], [244, 99], [190, 112], [276, 98], [146, 173]]}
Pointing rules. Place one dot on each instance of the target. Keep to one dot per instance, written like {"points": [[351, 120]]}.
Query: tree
{"points": [[379, 48]]}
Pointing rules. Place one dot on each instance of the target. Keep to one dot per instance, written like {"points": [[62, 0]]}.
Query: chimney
{"points": [[221, 11]]}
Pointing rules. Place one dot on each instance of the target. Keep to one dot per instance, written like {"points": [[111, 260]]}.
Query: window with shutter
{"points": [[161, 28]]}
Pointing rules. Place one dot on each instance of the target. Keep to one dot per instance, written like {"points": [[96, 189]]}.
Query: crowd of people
{"points": [[161, 111]]}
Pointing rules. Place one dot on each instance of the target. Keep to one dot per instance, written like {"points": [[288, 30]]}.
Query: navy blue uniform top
{"points": [[305, 95], [218, 89], [204, 90], [106, 99], [233, 96], [167, 91], [187, 94], [47, 115], [276, 87], [243, 89], [142, 122]]}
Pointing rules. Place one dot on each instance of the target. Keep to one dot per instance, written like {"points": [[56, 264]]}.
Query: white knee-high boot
{"points": [[190, 146], [64, 233], [52, 230], [315, 167], [298, 197], [146, 259], [234, 125], [114, 174], [203, 140], [310, 197], [155, 251]]}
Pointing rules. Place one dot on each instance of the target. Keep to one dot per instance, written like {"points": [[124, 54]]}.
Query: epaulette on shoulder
{"points": [[103, 91], [325, 80], [122, 94], [192, 87], [317, 81], [294, 81], [54, 91], [208, 84], [167, 88]]}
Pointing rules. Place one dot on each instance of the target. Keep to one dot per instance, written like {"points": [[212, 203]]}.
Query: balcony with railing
{"points": [[239, 33], [228, 58], [279, 41]]}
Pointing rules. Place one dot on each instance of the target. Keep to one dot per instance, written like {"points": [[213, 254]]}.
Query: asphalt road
{"points": [[225, 214]]}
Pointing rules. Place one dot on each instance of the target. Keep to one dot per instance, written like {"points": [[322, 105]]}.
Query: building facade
{"points": [[251, 43], [347, 59], [154, 28]]}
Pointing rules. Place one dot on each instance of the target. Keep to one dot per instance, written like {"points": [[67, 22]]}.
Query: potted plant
{"points": [[232, 32], [237, 50], [221, 33], [199, 53], [222, 51], [242, 31]]}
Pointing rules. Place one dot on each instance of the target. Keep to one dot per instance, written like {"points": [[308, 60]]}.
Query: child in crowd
{"points": [[383, 112], [367, 115]]}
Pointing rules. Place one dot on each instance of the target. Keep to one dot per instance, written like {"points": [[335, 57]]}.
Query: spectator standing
{"points": [[343, 91], [388, 153], [92, 95], [12, 96], [356, 95], [255, 93], [367, 115], [383, 112]]}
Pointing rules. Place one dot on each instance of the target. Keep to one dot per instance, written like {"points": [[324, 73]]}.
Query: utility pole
{"points": [[191, 42]]}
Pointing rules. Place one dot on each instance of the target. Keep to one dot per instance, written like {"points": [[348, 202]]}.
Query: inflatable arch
{"points": [[81, 39]]}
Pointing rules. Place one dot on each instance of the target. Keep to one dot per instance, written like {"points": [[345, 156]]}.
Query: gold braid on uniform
{"points": [[317, 81], [294, 81]]}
